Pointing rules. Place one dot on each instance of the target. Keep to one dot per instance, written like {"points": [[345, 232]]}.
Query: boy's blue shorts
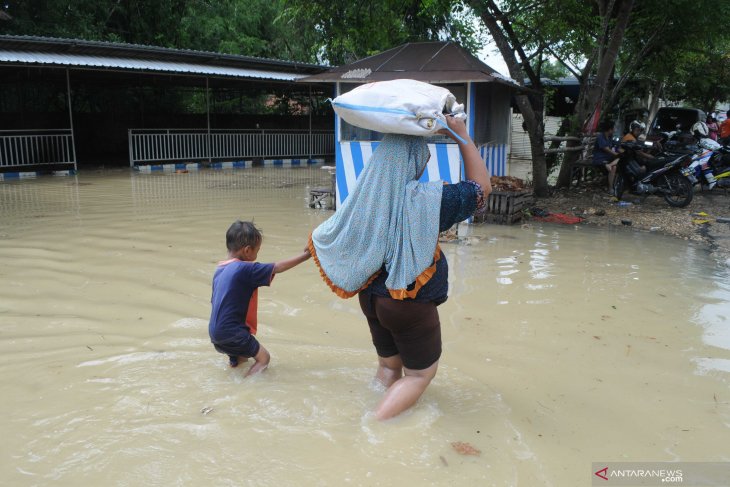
{"points": [[243, 347]]}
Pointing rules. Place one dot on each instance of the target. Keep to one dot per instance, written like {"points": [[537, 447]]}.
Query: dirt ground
{"points": [[697, 222]]}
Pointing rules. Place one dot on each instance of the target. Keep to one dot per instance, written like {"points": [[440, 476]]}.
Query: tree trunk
{"points": [[539, 168], [655, 96], [533, 117], [531, 109], [552, 159], [593, 91]]}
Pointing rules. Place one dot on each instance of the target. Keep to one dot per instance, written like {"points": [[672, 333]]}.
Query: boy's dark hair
{"points": [[242, 234], [605, 125]]}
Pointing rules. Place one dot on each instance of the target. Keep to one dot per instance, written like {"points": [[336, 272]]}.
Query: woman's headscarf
{"points": [[389, 219]]}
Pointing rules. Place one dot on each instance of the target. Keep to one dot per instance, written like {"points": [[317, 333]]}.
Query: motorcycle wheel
{"points": [[619, 184], [680, 190]]}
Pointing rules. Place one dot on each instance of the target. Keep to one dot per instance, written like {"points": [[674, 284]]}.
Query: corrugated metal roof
{"points": [[98, 55], [153, 65], [118, 49]]}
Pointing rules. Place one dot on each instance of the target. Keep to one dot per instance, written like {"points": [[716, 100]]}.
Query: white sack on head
{"points": [[401, 106]]}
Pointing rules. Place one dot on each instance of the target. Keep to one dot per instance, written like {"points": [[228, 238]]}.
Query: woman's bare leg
{"points": [[390, 369], [404, 392]]}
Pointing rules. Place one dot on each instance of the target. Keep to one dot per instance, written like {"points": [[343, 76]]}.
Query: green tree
{"points": [[247, 27], [347, 31], [550, 69], [604, 44], [575, 33], [703, 80], [663, 44]]}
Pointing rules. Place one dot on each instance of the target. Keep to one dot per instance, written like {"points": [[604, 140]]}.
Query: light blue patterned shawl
{"points": [[389, 219]]}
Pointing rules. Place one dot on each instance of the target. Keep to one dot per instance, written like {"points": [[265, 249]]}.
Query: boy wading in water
{"points": [[234, 302]]}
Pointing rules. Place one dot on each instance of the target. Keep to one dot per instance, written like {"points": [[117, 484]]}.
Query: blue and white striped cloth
{"points": [[444, 165], [495, 157]]}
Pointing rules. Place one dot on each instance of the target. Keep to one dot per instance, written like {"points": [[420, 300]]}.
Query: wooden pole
{"points": [[555, 138], [71, 117], [561, 150], [310, 123], [207, 115]]}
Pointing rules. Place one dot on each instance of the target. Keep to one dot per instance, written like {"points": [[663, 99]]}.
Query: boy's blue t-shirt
{"points": [[233, 285]]}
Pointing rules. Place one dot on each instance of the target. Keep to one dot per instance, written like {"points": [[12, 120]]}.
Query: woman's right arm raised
{"points": [[474, 166]]}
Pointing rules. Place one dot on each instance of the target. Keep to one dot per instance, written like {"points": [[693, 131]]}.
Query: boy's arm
{"points": [[286, 264]]}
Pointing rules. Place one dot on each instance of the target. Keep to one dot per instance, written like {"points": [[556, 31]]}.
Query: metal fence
{"points": [[148, 145], [20, 148]]}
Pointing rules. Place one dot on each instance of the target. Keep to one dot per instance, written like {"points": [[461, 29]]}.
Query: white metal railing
{"points": [[157, 145], [20, 148]]}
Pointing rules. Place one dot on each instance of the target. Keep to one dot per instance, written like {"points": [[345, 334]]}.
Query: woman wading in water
{"points": [[382, 244]]}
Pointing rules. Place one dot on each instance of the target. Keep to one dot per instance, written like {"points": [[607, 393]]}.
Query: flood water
{"points": [[562, 346]]}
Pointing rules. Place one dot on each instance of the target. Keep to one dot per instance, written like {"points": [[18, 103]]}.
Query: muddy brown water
{"points": [[562, 346]]}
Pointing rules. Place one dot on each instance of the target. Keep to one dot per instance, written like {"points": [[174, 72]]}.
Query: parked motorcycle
{"points": [[701, 162], [673, 179], [675, 141], [720, 164], [720, 160], [710, 160]]}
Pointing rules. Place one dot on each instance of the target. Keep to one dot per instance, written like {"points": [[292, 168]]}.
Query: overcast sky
{"points": [[490, 55]]}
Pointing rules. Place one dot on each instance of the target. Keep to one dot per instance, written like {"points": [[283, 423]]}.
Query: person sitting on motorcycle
{"points": [[603, 154], [700, 131], [635, 130]]}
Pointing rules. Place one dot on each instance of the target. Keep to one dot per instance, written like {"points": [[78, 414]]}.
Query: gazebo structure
{"points": [[485, 92]]}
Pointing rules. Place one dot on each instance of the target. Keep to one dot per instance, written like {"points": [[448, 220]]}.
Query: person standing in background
{"points": [[713, 127], [725, 129]]}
